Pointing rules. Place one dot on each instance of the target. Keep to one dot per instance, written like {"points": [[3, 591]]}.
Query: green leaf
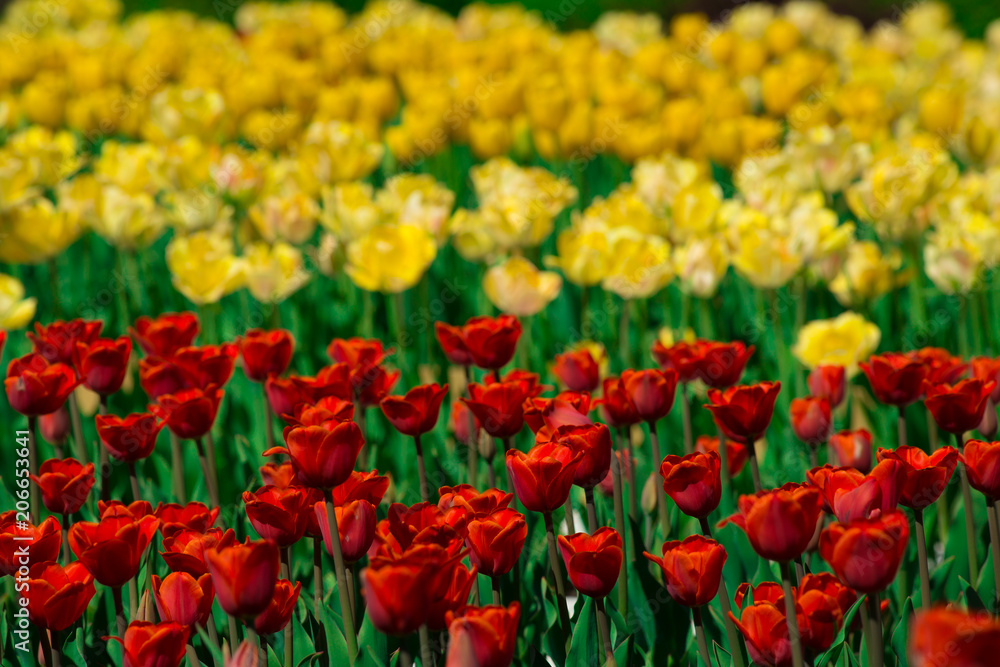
{"points": [[900, 633], [585, 647], [828, 656], [723, 657], [374, 648]]}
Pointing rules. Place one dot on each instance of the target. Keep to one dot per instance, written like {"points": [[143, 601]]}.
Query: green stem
{"points": [[686, 419], [346, 612], [995, 542], [734, 637], [790, 615], [970, 523], [550, 534], [699, 632], [602, 628], [591, 510], [33, 467], [177, 468], [422, 470], [104, 459], [875, 630], [661, 495], [79, 446], [426, 658], [727, 481], [925, 580]]}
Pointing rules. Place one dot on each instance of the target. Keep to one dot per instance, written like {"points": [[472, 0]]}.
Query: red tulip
{"points": [[322, 458], [376, 385], [246, 655], [159, 376], [153, 644], [166, 334], [765, 629], [828, 382], [244, 576], [625, 463], [45, 540], [364, 357], [866, 553], [744, 412], [543, 477], [279, 515], [56, 596], [982, 465], [651, 392], [102, 364], [281, 475], [617, 407], [593, 561], [496, 540], [279, 610], [368, 486], [960, 407], [925, 477], [112, 548], [194, 515], [3, 340], [183, 599], [594, 442], [130, 439], [683, 357], [987, 369], [285, 394], [567, 408], [850, 494], [942, 367], [452, 597], [463, 423], [852, 449], [189, 413], [405, 527], [415, 413], [265, 353], [35, 387], [208, 365], [693, 482], [781, 522], [820, 605], [55, 426], [355, 525], [952, 637], [577, 370], [57, 341], [483, 636], [811, 420], [692, 569], [736, 453], [397, 590], [135, 509], [483, 341], [184, 549], [766, 591], [499, 407], [466, 500], [896, 379], [721, 365], [65, 484]]}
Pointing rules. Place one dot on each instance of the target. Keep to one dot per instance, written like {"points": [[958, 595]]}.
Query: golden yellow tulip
{"points": [[639, 265], [390, 258], [844, 341], [36, 230], [204, 267], [867, 274], [16, 311]]}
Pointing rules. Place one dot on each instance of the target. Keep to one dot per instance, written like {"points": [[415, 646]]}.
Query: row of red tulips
{"points": [[423, 561]]}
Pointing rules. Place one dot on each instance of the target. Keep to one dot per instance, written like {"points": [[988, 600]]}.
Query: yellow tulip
{"points": [[128, 221], [867, 274], [700, 264], [639, 265], [133, 168], [695, 209], [390, 258], [36, 230], [516, 286], [583, 254], [47, 156], [190, 210], [844, 340], [332, 152], [953, 260], [15, 310], [659, 180], [766, 259], [204, 267], [274, 272], [291, 217], [349, 210], [417, 199]]}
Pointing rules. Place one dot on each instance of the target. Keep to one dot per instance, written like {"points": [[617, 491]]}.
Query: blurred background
{"points": [[971, 15]]}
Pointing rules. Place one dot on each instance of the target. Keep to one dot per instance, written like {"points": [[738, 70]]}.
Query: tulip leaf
{"points": [[972, 599], [584, 648], [274, 661], [987, 577], [336, 644], [374, 648], [207, 642], [625, 653], [941, 576], [828, 656], [723, 657], [900, 633]]}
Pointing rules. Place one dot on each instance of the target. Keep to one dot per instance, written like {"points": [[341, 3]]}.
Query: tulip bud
{"points": [[55, 426], [988, 426], [648, 499]]}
